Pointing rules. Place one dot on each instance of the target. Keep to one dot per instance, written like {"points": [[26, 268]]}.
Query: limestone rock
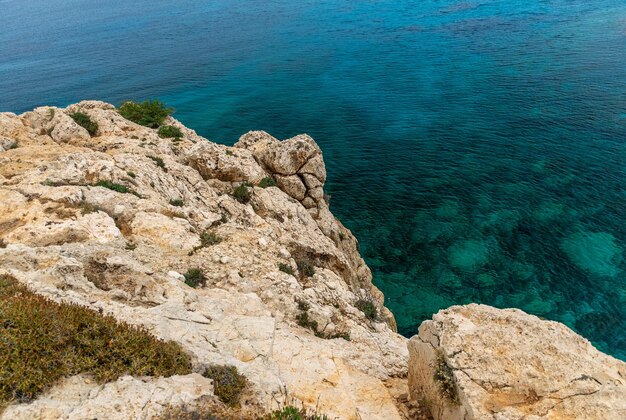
{"points": [[79, 397], [213, 161], [292, 185], [508, 365], [121, 251]]}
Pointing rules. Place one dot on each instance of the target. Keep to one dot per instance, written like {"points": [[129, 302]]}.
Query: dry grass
{"points": [[42, 341]]}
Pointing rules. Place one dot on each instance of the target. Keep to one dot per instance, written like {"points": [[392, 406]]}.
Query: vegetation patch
{"points": [[115, 187], [177, 202], [305, 268], [148, 113], [290, 412], [87, 208], [131, 174], [242, 193], [268, 181], [444, 377], [368, 308], [85, 121], [169, 131], [286, 268], [228, 383], [305, 321], [159, 162], [207, 239], [42, 341], [195, 277]]}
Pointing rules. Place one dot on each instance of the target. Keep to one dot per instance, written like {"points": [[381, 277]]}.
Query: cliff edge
{"points": [[233, 253]]}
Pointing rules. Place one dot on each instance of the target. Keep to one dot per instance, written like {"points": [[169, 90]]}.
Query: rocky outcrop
{"points": [[80, 397], [124, 253], [113, 221], [478, 362]]}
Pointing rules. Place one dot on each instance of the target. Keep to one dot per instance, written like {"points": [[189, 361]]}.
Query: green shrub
{"points": [[368, 308], [194, 277], [158, 161], [285, 268], [242, 193], [305, 268], [131, 174], [268, 181], [42, 341], [292, 413], [228, 383], [444, 377], [177, 202], [87, 208], [86, 122], [148, 113], [169, 131], [113, 186], [304, 321], [209, 238]]}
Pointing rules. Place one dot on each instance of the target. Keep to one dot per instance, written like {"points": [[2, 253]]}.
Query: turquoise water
{"points": [[477, 149]]}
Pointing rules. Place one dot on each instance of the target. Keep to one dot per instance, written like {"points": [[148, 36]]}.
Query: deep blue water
{"points": [[476, 148]]}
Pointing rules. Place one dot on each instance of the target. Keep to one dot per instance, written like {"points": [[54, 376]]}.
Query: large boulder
{"points": [[479, 362], [217, 162]]}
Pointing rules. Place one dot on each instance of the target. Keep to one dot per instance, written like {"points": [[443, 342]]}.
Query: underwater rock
{"points": [[596, 252], [468, 255]]}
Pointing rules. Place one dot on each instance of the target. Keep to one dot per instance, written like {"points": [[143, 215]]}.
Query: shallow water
{"points": [[476, 149]]}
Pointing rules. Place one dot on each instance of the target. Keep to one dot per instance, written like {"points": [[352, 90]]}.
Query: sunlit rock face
{"points": [[125, 253], [479, 362]]}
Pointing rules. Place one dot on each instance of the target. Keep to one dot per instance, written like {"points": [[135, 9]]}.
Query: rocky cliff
{"points": [[113, 220]]}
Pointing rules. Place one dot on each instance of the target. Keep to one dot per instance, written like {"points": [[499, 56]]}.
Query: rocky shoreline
{"points": [[112, 220]]}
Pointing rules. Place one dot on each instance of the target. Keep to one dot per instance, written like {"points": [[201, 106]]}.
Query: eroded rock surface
{"points": [[508, 365], [125, 254]]}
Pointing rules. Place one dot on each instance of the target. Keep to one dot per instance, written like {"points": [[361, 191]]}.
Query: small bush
{"points": [[444, 376], [87, 208], [131, 246], [209, 238], [42, 341], [292, 413], [285, 268], [159, 162], [305, 268], [169, 131], [304, 321], [113, 186], [148, 113], [131, 174], [177, 202], [228, 384], [194, 277], [86, 122], [268, 181], [368, 308], [242, 193]]}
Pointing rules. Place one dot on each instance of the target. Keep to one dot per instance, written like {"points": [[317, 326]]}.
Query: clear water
{"points": [[477, 148]]}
